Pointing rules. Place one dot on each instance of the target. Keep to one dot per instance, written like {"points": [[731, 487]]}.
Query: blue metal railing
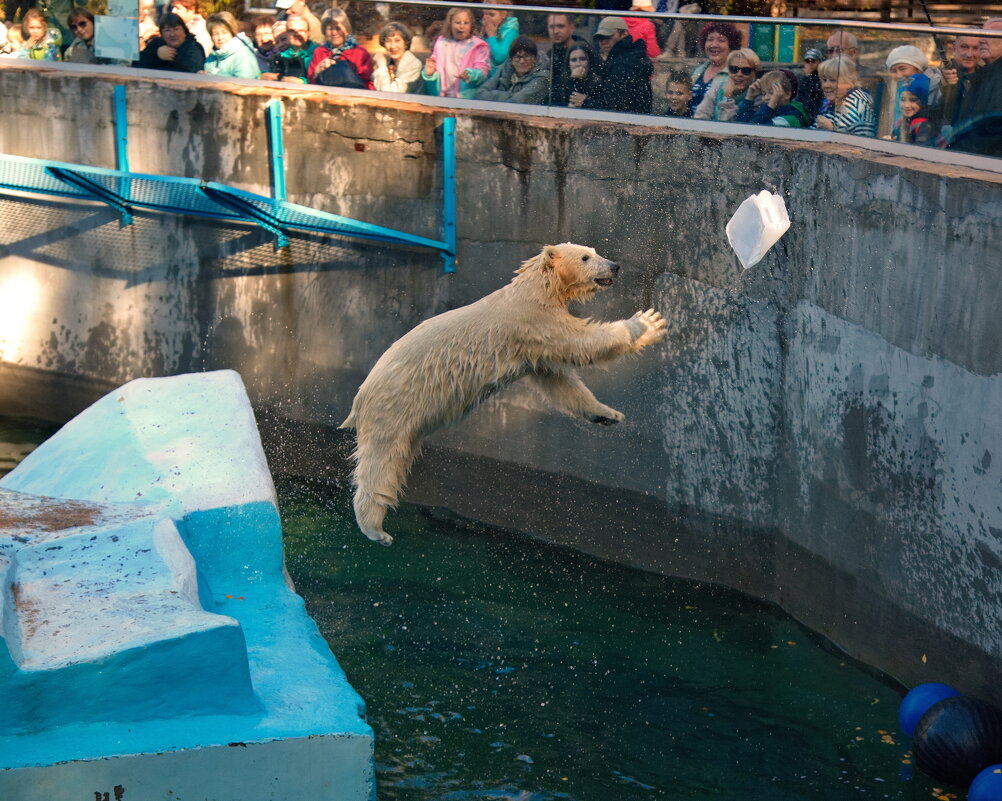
{"points": [[124, 191]]}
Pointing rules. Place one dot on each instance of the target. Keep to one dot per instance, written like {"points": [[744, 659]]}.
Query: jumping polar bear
{"points": [[440, 370]]}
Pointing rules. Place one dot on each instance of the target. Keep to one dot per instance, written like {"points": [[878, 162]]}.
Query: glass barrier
{"points": [[929, 87]]}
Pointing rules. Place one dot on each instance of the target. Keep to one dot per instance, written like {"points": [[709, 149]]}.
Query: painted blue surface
{"points": [[183, 508]]}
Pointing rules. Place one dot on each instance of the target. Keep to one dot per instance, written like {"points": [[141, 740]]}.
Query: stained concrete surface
{"points": [[820, 430]]}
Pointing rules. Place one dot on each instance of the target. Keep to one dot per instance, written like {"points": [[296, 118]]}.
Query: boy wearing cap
{"points": [[913, 126], [809, 93], [625, 70]]}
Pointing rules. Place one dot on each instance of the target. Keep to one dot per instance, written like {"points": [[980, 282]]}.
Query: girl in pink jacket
{"points": [[460, 61]]}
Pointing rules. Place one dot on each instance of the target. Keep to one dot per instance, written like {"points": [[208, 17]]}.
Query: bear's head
{"points": [[570, 272]]}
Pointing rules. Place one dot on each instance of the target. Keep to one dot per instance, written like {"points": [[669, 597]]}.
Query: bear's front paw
{"points": [[656, 328]]}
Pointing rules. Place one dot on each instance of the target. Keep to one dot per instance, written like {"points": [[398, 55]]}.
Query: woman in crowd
{"points": [[175, 49], [39, 44], [583, 76], [193, 21], [398, 69], [339, 61], [459, 61], [265, 46], [500, 30], [716, 41], [81, 49], [232, 52], [847, 108], [523, 78], [722, 99]]}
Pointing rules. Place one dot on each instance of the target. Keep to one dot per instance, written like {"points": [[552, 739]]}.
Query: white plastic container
{"points": [[756, 226]]}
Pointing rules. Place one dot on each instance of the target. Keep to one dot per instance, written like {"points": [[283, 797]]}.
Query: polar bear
{"points": [[441, 369]]}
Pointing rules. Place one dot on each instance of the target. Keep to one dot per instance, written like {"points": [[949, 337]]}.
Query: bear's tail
{"points": [[349, 421]]}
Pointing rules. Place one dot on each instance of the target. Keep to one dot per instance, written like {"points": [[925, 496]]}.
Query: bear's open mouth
{"points": [[603, 281]]}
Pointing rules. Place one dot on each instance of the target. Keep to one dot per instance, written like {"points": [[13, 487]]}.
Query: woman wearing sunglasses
{"points": [[722, 98], [81, 49]]}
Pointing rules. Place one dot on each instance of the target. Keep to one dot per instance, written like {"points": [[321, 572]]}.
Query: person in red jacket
{"points": [[643, 28], [339, 61]]}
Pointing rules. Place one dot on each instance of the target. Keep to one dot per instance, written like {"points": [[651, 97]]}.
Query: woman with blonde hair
{"points": [[728, 89], [847, 108]]}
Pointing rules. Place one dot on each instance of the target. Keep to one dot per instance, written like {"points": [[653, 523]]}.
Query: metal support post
{"points": [[276, 150], [449, 193]]}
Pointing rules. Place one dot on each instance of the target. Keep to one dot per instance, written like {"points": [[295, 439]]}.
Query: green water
{"points": [[497, 667]]}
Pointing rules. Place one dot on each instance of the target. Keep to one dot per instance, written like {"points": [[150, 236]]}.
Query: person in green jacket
{"points": [[500, 30], [776, 106]]}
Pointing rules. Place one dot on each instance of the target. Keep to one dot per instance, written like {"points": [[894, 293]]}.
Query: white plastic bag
{"points": [[756, 226]]}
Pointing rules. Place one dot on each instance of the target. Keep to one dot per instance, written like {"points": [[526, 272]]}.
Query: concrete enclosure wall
{"points": [[822, 430]]}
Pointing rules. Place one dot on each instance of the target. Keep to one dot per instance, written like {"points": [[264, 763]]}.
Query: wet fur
{"points": [[439, 371]]}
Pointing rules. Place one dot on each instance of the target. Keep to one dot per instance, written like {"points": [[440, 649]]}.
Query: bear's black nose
{"points": [[614, 268]]}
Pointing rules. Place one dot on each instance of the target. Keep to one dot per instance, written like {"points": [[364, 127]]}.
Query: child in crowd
{"points": [[678, 94], [913, 127], [459, 61], [40, 42], [778, 88], [500, 31], [907, 60], [13, 43]]}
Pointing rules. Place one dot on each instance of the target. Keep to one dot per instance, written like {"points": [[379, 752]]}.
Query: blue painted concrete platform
{"points": [[152, 645]]}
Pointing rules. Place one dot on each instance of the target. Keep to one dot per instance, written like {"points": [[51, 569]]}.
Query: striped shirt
{"points": [[855, 115]]}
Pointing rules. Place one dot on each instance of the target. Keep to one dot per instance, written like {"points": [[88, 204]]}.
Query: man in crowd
{"points": [[980, 119], [843, 43], [990, 49], [286, 9], [290, 64], [562, 37], [625, 69], [956, 78]]}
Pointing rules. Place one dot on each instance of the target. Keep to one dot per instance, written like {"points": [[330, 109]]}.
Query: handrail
{"points": [[801, 21]]}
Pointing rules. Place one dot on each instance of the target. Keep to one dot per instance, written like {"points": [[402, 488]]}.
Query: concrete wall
{"points": [[822, 430]]}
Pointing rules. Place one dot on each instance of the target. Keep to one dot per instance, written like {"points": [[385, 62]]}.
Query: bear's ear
{"points": [[549, 256]]}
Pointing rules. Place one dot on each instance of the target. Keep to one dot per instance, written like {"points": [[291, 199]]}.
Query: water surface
{"points": [[496, 667]]}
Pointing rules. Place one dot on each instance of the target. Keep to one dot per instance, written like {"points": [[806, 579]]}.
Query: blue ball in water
{"points": [[918, 701], [957, 739], [987, 785]]}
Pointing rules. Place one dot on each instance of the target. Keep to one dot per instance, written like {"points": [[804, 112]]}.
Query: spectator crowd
{"points": [[603, 63]]}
